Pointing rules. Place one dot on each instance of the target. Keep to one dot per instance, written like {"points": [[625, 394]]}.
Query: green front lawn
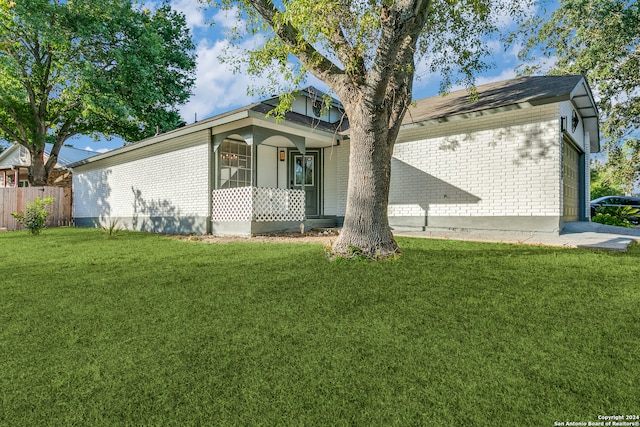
{"points": [[148, 330]]}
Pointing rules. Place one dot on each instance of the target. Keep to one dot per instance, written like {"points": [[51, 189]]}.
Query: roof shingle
{"points": [[529, 89]]}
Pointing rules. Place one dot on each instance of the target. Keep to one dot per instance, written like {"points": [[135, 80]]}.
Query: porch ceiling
{"points": [[281, 141]]}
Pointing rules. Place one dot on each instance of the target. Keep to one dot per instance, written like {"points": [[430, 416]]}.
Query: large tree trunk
{"points": [[366, 230], [38, 171]]}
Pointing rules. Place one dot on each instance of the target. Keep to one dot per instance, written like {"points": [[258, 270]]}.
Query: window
{"points": [[631, 202], [23, 155], [235, 164], [308, 170]]}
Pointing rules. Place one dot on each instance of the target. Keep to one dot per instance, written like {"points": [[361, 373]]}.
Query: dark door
{"points": [[304, 174]]}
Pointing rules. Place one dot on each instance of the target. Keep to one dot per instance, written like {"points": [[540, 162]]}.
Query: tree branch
{"points": [[313, 60], [23, 138], [25, 78], [11, 134], [352, 60], [401, 27], [62, 114], [63, 135]]}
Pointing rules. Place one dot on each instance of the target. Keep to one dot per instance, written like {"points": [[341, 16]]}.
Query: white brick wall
{"points": [[503, 164], [330, 179], [169, 184]]}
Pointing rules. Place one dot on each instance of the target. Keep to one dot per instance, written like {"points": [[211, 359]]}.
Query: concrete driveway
{"points": [[574, 235]]}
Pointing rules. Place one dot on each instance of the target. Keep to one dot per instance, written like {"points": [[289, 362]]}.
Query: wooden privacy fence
{"points": [[15, 199]]}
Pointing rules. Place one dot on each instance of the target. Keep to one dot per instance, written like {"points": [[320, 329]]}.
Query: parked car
{"points": [[614, 202]]}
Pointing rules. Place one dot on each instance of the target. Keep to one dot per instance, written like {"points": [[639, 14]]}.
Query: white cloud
{"points": [[217, 88], [503, 19], [424, 79], [495, 46], [228, 19], [193, 12], [506, 74]]}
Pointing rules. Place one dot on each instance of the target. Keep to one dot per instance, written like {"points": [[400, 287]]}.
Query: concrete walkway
{"points": [[574, 235]]}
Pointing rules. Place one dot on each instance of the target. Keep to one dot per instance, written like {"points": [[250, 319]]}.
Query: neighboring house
{"points": [[517, 158], [15, 161]]}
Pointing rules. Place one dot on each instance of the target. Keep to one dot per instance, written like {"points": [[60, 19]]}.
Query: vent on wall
{"points": [[574, 121]]}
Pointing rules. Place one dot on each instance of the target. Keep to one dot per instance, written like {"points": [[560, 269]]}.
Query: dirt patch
{"points": [[325, 236]]}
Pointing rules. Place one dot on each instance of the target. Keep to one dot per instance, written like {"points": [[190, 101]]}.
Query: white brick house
{"points": [[517, 158]]}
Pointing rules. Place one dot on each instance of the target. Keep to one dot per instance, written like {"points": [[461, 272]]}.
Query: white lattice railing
{"points": [[257, 204]]}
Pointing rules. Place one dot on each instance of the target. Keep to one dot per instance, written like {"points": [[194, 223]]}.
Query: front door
{"points": [[304, 174]]}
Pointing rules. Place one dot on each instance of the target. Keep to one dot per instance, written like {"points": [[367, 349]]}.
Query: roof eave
{"points": [[582, 98], [199, 126], [302, 127], [485, 112]]}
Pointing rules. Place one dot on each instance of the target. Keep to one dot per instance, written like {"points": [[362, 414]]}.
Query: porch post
{"points": [[304, 169], [212, 167], [303, 151], [254, 166]]}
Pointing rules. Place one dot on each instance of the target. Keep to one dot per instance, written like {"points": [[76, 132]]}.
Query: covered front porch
{"points": [[14, 177], [266, 180]]}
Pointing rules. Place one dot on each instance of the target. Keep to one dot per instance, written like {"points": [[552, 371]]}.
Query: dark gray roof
{"points": [[503, 95], [262, 108], [532, 89], [515, 93], [265, 108]]}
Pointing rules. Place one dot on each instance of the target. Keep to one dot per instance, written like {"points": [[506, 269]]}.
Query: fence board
{"points": [[15, 199]]}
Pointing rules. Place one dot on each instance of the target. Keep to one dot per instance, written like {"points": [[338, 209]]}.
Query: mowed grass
{"points": [[148, 330]]}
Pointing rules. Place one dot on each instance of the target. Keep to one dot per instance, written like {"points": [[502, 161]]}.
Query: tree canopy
{"points": [[367, 52], [600, 39], [89, 67], [354, 40]]}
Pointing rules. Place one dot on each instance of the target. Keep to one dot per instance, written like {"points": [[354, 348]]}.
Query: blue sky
{"points": [[218, 89]]}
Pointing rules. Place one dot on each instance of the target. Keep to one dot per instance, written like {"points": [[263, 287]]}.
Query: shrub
{"points": [[619, 216], [34, 218], [111, 231]]}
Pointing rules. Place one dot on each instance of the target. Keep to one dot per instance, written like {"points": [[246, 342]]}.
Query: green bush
{"points": [[35, 216], [619, 216], [111, 231]]}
